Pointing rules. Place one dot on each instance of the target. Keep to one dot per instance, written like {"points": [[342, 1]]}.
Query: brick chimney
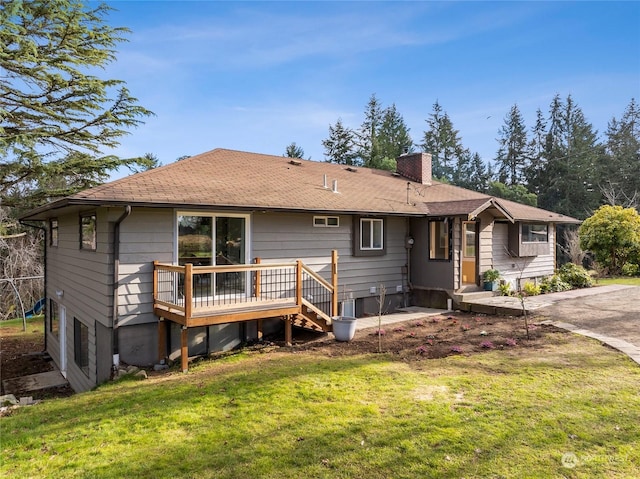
{"points": [[415, 166]]}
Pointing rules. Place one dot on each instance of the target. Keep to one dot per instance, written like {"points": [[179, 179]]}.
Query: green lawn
{"points": [[621, 280], [511, 413]]}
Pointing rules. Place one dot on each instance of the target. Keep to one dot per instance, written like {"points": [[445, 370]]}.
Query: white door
{"points": [[62, 311]]}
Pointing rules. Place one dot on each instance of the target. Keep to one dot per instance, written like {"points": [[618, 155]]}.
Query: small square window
{"points": [[53, 232], [81, 345], [88, 232]]}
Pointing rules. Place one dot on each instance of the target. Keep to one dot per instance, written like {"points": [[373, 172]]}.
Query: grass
{"points": [[13, 327], [632, 281], [509, 413]]}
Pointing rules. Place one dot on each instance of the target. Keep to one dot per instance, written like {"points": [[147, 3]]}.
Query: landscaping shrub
{"points": [[575, 275], [505, 289], [631, 269], [553, 284], [531, 289]]}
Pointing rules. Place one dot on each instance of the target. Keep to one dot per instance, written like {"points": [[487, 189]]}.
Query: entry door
{"points": [[469, 252], [62, 315], [214, 240]]}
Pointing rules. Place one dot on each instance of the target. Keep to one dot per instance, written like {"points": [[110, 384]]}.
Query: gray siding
{"points": [[485, 247], [287, 237], [85, 278], [425, 273], [532, 267]]}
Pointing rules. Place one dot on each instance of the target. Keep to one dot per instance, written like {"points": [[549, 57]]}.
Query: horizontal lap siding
{"points": [[510, 268], [85, 279], [287, 237], [146, 235]]}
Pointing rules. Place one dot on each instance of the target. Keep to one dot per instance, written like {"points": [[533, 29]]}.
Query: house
{"points": [[200, 255]]}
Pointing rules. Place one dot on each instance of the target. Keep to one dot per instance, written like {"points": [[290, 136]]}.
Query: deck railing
{"points": [[188, 289]]}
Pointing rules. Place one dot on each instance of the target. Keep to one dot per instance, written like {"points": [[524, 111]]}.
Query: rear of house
{"points": [[237, 221]]}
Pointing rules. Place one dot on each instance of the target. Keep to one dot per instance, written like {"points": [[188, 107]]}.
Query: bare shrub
{"points": [[571, 247]]}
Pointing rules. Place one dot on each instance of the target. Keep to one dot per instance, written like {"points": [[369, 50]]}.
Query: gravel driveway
{"points": [[613, 312]]}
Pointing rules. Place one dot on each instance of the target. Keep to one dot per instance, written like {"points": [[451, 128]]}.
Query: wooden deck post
{"points": [[288, 330], [162, 339], [258, 278], [155, 280], [334, 282], [188, 291], [184, 349]]}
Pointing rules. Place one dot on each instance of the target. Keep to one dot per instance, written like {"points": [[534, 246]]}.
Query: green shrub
{"points": [[553, 284], [575, 275], [531, 289], [505, 289], [631, 269]]}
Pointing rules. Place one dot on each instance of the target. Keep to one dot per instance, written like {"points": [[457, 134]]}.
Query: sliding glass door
{"points": [[214, 240]]}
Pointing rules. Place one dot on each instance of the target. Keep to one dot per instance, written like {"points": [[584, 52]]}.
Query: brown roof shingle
{"points": [[228, 178]]}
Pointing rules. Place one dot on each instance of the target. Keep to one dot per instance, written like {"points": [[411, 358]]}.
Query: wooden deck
{"points": [[258, 291]]}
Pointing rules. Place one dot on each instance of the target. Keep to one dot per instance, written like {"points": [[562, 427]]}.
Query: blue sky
{"points": [[256, 76]]}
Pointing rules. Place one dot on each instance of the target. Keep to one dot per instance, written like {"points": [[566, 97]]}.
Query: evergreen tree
{"points": [[441, 140], [56, 117], [393, 139], [517, 193], [479, 174], [368, 141], [340, 147], [573, 154], [536, 160], [294, 151], [512, 153], [622, 168]]}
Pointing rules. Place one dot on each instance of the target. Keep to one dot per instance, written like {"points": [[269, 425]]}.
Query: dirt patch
{"points": [[22, 354], [433, 337]]}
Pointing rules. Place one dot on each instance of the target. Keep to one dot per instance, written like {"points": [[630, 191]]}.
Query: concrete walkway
{"points": [[407, 314]]}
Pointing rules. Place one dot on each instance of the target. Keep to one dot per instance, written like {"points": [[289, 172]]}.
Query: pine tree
{"points": [[55, 117], [294, 151], [441, 140], [368, 142], [393, 138], [512, 153], [536, 160], [340, 147], [621, 171]]}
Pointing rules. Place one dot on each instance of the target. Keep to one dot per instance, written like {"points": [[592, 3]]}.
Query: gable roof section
{"points": [[234, 179]]}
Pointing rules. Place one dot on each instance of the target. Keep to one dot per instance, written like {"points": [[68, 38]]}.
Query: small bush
{"points": [[631, 269], [575, 275], [531, 289], [553, 284], [505, 289]]}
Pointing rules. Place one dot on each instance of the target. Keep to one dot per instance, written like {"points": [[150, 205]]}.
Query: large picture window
{"points": [[535, 233], [81, 345], [439, 239], [88, 236]]}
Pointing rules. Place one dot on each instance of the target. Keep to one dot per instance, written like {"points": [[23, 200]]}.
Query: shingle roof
{"points": [[227, 178]]}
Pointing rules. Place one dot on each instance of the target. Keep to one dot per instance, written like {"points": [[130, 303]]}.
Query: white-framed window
{"points": [[53, 232], [371, 234], [326, 221], [535, 233], [88, 237]]}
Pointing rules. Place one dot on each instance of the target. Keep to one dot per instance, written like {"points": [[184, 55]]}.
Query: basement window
{"points": [[54, 318], [326, 221], [81, 345]]}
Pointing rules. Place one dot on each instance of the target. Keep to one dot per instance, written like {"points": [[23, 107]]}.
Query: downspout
{"points": [[116, 283], [44, 231]]}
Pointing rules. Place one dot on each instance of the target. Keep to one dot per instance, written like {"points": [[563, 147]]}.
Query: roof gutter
{"points": [[116, 282]]}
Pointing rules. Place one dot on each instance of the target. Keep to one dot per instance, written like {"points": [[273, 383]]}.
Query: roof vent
{"points": [[351, 168], [324, 182], [295, 162], [335, 186]]}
